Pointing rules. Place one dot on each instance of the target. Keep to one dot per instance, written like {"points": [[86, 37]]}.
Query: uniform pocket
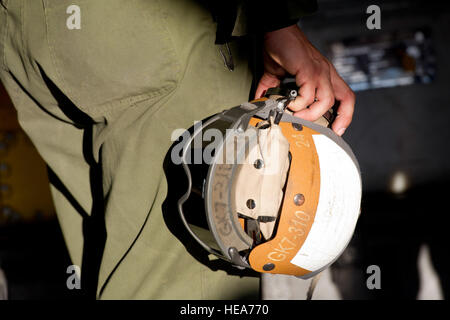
{"points": [[110, 53]]}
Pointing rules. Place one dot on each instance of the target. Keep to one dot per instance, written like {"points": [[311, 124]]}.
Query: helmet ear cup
{"points": [[251, 226], [260, 180]]}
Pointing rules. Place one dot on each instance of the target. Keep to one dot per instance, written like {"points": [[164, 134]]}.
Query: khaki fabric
{"points": [[108, 96], [264, 184]]}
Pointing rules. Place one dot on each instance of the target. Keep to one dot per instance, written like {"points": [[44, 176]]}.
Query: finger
{"points": [[305, 97], [325, 100], [346, 108], [267, 81]]}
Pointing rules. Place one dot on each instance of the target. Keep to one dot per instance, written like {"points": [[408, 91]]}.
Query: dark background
{"points": [[400, 129]]}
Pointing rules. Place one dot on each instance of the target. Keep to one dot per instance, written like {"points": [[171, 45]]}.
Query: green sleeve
{"points": [[240, 17], [267, 15]]}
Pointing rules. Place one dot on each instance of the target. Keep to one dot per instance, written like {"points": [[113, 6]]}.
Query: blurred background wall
{"points": [[400, 135]]}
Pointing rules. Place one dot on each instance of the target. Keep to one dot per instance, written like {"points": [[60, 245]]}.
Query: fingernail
{"points": [[341, 131]]}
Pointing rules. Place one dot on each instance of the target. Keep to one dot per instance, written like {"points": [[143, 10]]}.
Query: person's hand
{"points": [[288, 51]]}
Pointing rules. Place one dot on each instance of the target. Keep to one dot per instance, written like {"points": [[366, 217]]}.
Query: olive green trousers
{"points": [[99, 87]]}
